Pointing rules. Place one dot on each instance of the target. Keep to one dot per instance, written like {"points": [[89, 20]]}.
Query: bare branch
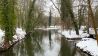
{"points": [[55, 6]]}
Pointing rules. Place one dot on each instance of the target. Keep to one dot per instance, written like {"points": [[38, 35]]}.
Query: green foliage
{"points": [[34, 17], [30, 17], [7, 18]]}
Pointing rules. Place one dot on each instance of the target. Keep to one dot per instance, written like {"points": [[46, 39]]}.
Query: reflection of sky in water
{"points": [[55, 46], [30, 46]]}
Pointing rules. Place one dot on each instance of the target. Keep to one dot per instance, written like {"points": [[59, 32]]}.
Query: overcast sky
{"points": [[49, 6]]}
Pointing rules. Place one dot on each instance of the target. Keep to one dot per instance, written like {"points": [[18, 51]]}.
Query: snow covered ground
{"points": [[20, 33], [1, 37], [89, 45], [72, 34], [49, 28], [86, 44]]}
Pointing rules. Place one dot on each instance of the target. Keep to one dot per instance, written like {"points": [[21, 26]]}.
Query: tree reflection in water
{"points": [[50, 38], [43, 43], [65, 48], [30, 45]]}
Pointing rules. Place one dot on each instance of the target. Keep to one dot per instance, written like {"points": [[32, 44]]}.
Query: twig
{"points": [[55, 6]]}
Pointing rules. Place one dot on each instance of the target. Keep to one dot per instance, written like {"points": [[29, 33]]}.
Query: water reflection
{"points": [[50, 38], [44, 43], [65, 49], [30, 45], [29, 48], [8, 53]]}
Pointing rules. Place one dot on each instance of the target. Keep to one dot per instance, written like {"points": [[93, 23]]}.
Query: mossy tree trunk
{"points": [[66, 11], [30, 17], [7, 20]]}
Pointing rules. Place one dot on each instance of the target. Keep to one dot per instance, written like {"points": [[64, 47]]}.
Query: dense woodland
{"points": [[31, 14]]}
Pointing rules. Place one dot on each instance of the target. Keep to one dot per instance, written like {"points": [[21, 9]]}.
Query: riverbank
{"points": [[84, 43], [88, 45], [20, 34]]}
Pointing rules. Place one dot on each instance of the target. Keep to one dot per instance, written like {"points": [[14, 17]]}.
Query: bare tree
{"points": [[93, 19]]}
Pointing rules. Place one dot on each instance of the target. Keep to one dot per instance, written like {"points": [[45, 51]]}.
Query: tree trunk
{"points": [[93, 19]]}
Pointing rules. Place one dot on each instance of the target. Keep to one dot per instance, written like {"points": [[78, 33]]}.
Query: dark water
{"points": [[44, 43]]}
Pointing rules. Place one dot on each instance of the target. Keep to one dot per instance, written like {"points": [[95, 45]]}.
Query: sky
{"points": [[49, 5]]}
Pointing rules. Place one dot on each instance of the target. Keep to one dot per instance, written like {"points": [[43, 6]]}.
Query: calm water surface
{"points": [[44, 43]]}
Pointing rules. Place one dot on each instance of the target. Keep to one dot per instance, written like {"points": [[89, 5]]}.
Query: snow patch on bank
{"points": [[49, 28], [86, 44], [72, 34], [1, 37], [91, 31], [20, 33], [89, 45]]}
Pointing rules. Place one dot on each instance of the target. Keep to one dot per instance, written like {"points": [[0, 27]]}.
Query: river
{"points": [[45, 43]]}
